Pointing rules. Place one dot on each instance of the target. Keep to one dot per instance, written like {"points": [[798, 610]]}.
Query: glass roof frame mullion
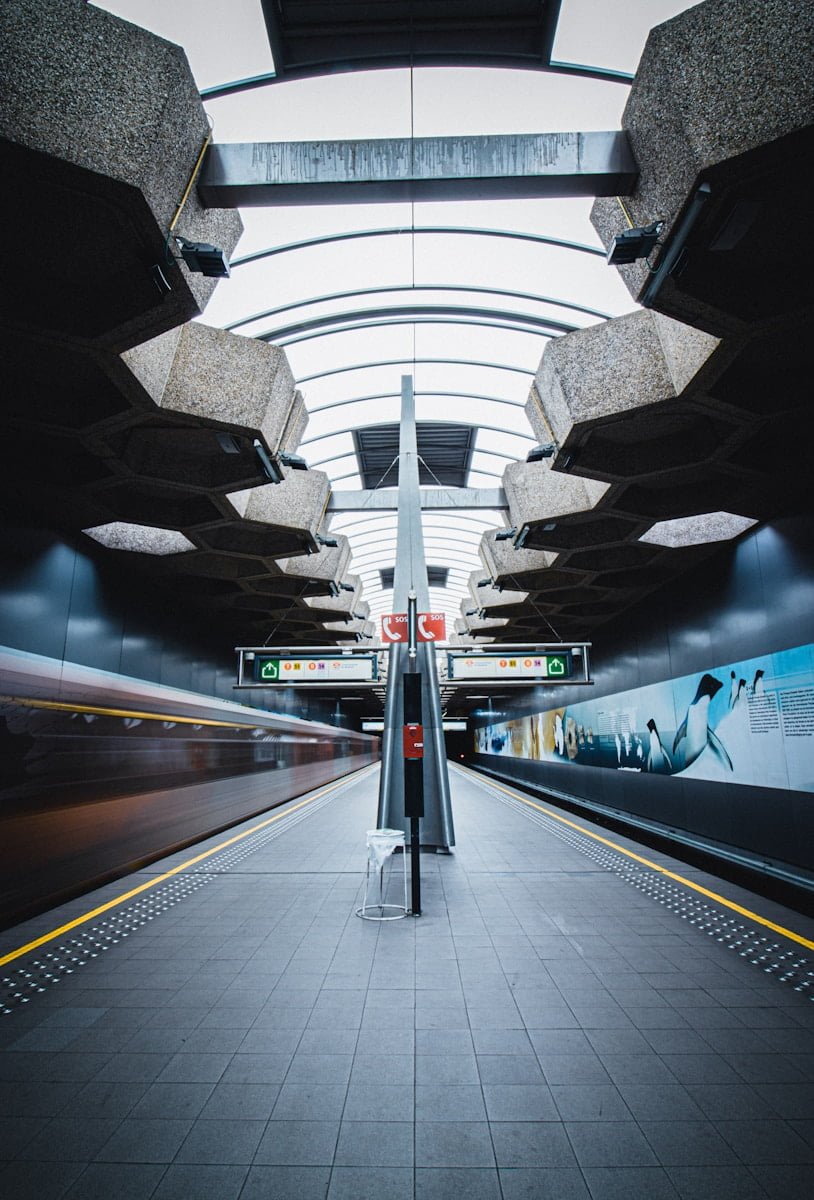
{"points": [[404, 310], [430, 392], [401, 230], [250, 83], [388, 324], [397, 362], [417, 287], [321, 437]]}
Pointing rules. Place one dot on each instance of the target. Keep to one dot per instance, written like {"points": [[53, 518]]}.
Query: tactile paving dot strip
{"points": [[23, 983], [772, 957]]}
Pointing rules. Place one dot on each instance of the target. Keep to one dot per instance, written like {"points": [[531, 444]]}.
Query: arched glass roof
{"points": [[463, 295]]}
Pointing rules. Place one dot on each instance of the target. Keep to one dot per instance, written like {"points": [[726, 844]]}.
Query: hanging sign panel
{"points": [[553, 667], [355, 668]]}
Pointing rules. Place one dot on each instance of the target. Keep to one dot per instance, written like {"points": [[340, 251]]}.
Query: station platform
{"points": [[573, 1016]]}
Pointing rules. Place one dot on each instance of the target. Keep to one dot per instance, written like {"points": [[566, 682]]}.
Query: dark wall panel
{"points": [[73, 604], [755, 597], [36, 575]]}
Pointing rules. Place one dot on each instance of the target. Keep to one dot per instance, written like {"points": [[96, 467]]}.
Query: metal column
{"points": [[436, 828]]}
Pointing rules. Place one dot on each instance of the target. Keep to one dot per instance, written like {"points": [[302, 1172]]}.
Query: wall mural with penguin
{"points": [[749, 722]]}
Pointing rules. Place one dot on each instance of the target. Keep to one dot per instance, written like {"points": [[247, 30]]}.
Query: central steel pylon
{"points": [[436, 827]]}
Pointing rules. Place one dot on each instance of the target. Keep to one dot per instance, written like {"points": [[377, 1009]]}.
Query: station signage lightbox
{"points": [[355, 668], [475, 667]]}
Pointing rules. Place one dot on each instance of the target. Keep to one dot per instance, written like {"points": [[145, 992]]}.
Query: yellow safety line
{"points": [[696, 887], [61, 706], [143, 887]]}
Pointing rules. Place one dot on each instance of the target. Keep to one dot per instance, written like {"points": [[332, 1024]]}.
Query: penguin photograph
{"points": [[658, 759], [694, 734]]}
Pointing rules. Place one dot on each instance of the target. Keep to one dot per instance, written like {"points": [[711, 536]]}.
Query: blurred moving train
{"points": [[101, 774]]}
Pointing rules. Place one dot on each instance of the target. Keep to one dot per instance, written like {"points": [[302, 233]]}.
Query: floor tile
{"points": [[222, 1142], [303, 1183], [38, 1180], [687, 1143], [508, 1068], [629, 1183], [309, 1102], [453, 1144], [371, 1144], [145, 1140], [519, 1102], [765, 1142], [124, 1181], [175, 1100], [531, 1144], [69, 1139], [371, 1183], [378, 1102], [197, 1182], [298, 1143], [541, 1183], [444, 1183], [609, 1144], [446, 1069], [716, 1183], [441, 1102]]}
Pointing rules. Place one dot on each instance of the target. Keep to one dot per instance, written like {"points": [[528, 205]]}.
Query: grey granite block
{"points": [[107, 119]]}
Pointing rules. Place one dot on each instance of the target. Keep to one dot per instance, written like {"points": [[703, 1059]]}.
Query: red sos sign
{"points": [[431, 627]]}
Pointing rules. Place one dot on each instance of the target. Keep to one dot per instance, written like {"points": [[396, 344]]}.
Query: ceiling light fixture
{"points": [[631, 244], [204, 259], [538, 453]]}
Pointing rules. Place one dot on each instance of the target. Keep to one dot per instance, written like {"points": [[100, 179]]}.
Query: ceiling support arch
{"points": [[421, 287], [400, 230], [399, 362], [268, 78], [383, 313], [382, 324], [430, 392], [321, 437]]}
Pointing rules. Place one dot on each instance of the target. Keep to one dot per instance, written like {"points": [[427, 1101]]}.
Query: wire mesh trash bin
{"points": [[381, 845]]}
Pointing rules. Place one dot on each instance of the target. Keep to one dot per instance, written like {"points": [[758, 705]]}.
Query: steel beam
{"points": [[386, 499], [436, 827], [388, 170]]}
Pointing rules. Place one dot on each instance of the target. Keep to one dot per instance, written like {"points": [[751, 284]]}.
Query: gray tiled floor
{"points": [[544, 1030]]}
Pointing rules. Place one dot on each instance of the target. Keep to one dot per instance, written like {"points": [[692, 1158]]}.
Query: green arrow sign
{"points": [[269, 669], [556, 666]]}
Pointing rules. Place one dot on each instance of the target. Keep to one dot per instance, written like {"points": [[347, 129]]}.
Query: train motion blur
{"points": [[101, 774]]}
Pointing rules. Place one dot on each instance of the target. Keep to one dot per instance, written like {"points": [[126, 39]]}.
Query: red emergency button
{"points": [[413, 741]]}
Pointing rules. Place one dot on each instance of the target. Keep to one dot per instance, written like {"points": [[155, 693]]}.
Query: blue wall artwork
{"points": [[748, 722]]}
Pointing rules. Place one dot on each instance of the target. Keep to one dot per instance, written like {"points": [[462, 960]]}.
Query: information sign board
{"points": [[356, 668], [554, 666]]}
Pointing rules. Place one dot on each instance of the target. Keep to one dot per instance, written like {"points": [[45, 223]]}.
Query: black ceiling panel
{"points": [[312, 38], [444, 451], [436, 577]]}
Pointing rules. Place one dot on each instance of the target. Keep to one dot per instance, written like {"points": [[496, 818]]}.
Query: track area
{"points": [[551, 1027]]}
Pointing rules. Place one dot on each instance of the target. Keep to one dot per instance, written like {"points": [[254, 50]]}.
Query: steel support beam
{"points": [[387, 499], [436, 827], [388, 170]]}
